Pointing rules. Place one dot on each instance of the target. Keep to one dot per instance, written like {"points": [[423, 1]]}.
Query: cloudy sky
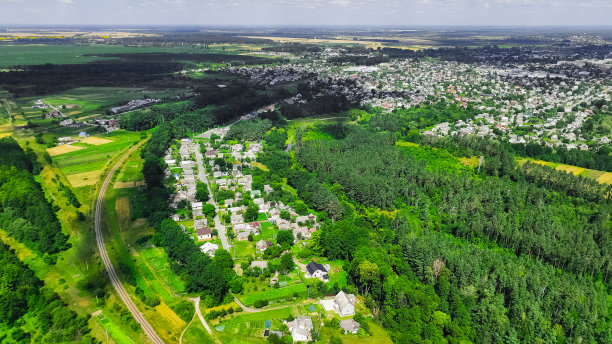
{"points": [[306, 12]]}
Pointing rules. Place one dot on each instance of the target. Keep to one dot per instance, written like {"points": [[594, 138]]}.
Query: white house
{"points": [[300, 328], [209, 248], [315, 270], [204, 234], [344, 304], [349, 325]]}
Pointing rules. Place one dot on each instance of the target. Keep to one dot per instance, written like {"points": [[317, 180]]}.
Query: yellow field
{"points": [[260, 166], [122, 208], [123, 185], [6, 128], [85, 178], [471, 162], [5, 134], [63, 149], [600, 176], [605, 178], [96, 141]]}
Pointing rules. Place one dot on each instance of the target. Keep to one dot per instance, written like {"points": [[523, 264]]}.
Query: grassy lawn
{"points": [[378, 335]]}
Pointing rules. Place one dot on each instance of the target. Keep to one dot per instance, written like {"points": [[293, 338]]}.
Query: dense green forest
{"points": [[539, 256], [32, 313], [25, 213]]}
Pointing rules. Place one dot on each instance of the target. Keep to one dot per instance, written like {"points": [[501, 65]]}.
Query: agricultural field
{"points": [[91, 102], [36, 54], [83, 166]]}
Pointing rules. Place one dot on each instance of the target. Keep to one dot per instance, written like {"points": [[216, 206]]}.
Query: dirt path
{"points": [[196, 302], [125, 297]]}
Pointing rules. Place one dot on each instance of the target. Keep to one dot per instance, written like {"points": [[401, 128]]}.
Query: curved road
{"points": [[146, 327]]}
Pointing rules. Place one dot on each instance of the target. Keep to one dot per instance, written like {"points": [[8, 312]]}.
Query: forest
{"points": [[24, 300], [25, 213], [526, 280]]}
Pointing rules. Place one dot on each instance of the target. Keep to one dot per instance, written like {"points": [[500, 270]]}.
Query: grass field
{"points": [[114, 331], [196, 334]]}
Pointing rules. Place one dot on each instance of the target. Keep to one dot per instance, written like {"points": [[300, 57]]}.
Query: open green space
{"points": [[273, 295]]}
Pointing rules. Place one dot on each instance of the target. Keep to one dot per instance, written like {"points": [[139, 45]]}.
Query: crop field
{"points": [[63, 149], [91, 158]]}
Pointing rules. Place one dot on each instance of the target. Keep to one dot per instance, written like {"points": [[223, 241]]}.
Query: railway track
{"points": [[144, 324]]}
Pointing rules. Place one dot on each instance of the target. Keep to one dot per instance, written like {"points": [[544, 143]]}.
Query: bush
{"points": [[260, 303]]}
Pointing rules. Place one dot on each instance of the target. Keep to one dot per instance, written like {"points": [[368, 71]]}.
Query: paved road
{"points": [[146, 327], [202, 175]]}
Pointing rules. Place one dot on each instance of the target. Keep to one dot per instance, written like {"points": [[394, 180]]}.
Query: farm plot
{"points": [[81, 165]]}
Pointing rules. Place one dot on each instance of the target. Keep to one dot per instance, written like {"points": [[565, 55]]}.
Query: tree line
{"points": [[25, 213], [24, 295]]}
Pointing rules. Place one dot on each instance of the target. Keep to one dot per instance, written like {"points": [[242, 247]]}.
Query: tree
{"points": [[285, 215], [251, 213], [286, 263], [208, 209], [368, 273], [285, 239], [202, 192], [223, 259]]}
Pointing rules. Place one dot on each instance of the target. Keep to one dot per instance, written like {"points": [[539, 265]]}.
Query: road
{"points": [[202, 175], [146, 327]]}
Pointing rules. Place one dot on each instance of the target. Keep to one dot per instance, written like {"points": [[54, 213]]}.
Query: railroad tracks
{"points": [[116, 282]]}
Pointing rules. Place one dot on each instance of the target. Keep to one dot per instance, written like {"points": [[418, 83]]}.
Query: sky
{"points": [[306, 12]]}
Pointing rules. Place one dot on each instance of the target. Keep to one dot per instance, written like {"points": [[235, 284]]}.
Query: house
{"points": [[204, 234], [175, 217], [316, 270], [268, 189], [209, 248], [300, 328], [262, 245], [243, 236], [262, 264], [344, 304], [283, 225], [200, 223], [301, 232], [196, 205], [349, 325], [237, 218]]}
